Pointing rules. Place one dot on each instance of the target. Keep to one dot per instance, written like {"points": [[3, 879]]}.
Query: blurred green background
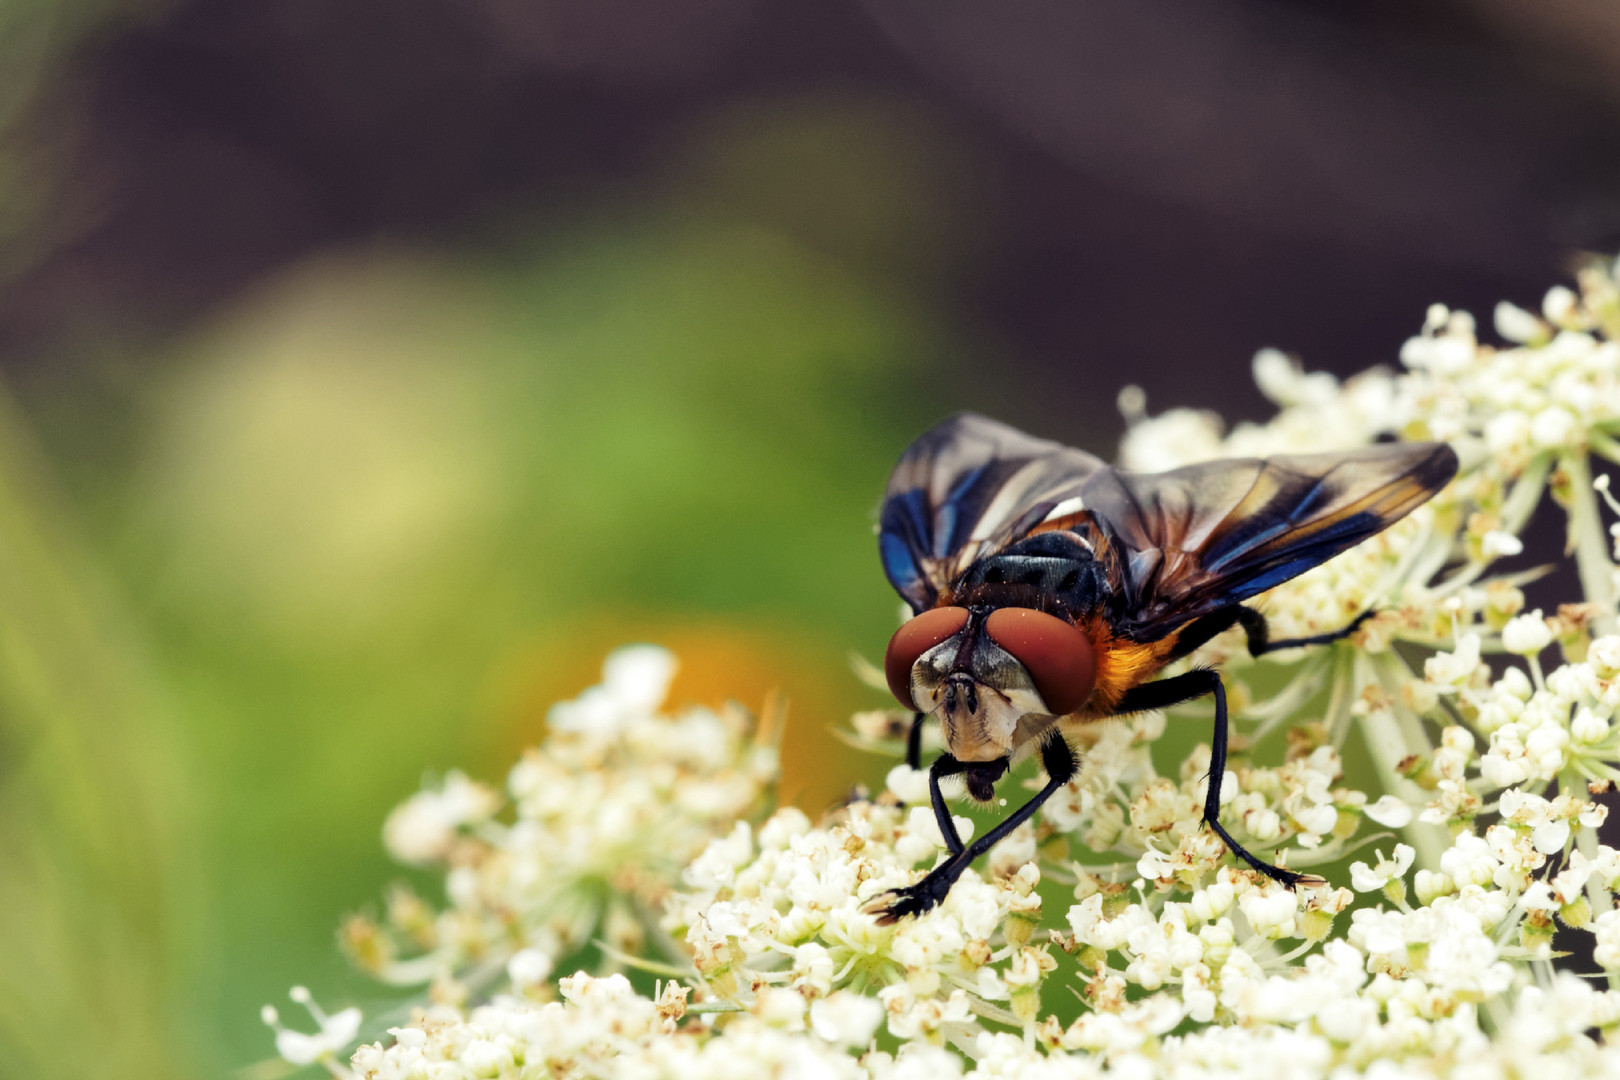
{"points": [[370, 372]]}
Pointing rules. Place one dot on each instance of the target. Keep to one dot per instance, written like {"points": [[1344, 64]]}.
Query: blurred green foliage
{"points": [[95, 811], [364, 523]]}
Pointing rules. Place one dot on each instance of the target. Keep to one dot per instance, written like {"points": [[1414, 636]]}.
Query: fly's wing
{"points": [[966, 488], [1197, 539]]}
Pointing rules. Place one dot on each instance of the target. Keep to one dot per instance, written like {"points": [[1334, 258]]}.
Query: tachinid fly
{"points": [[1048, 589]]}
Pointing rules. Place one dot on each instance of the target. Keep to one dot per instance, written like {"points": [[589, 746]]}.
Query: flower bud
{"points": [[1577, 914], [1527, 634]]}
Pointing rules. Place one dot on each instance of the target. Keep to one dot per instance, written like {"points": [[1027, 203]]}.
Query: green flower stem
{"points": [[1590, 541], [1526, 495], [1604, 444], [710, 1008], [1391, 737]]}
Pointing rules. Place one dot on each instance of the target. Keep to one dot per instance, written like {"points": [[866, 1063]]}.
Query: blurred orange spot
{"points": [[719, 661]]}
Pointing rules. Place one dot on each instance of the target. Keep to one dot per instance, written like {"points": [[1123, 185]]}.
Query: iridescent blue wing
{"points": [[1175, 545], [1200, 538], [965, 489]]}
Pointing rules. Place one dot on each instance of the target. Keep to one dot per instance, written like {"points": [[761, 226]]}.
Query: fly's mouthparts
{"points": [[981, 777], [961, 692]]}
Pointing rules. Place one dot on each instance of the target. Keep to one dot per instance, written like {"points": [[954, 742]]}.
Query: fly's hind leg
{"points": [[1186, 687], [1201, 630], [1259, 632]]}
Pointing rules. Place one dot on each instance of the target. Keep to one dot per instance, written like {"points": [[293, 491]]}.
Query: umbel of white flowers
{"points": [[1110, 936]]}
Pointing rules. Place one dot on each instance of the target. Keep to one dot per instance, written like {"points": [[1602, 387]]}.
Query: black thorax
{"points": [[1054, 572]]}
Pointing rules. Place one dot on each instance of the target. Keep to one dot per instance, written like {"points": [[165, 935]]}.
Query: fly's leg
{"points": [[944, 766], [1259, 633], [928, 893], [914, 741], [1199, 631], [1187, 687]]}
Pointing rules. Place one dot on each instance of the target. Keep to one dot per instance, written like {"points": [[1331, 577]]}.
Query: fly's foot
{"points": [[1288, 879], [1292, 879], [918, 899]]}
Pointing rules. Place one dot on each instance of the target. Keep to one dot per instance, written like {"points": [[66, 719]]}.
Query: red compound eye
{"points": [[913, 639], [1057, 654]]}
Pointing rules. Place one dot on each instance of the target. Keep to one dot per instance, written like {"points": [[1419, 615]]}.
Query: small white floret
{"points": [[1559, 305], [845, 1018], [1526, 634], [1517, 325], [1364, 878], [528, 967], [1389, 811], [335, 1032], [1497, 544], [909, 785]]}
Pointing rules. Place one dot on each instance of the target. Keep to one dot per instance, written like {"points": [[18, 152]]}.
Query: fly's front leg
{"points": [[928, 893], [914, 741], [1187, 687], [944, 766]]}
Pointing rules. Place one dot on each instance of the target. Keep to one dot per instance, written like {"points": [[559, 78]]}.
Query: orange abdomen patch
{"points": [[1121, 664]]}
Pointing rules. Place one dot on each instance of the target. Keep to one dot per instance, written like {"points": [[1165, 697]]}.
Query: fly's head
{"points": [[982, 670]]}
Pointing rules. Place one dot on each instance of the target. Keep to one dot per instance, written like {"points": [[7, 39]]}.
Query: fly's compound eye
{"points": [[913, 639], [1056, 653]]}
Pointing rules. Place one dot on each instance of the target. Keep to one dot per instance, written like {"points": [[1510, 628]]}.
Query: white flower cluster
{"points": [[604, 814], [774, 921], [603, 1030], [600, 1028], [1113, 936]]}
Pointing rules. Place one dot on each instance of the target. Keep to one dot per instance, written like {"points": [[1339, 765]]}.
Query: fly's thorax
{"points": [[1052, 571]]}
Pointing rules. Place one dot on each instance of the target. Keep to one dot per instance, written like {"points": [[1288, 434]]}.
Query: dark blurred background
{"points": [[371, 369]]}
